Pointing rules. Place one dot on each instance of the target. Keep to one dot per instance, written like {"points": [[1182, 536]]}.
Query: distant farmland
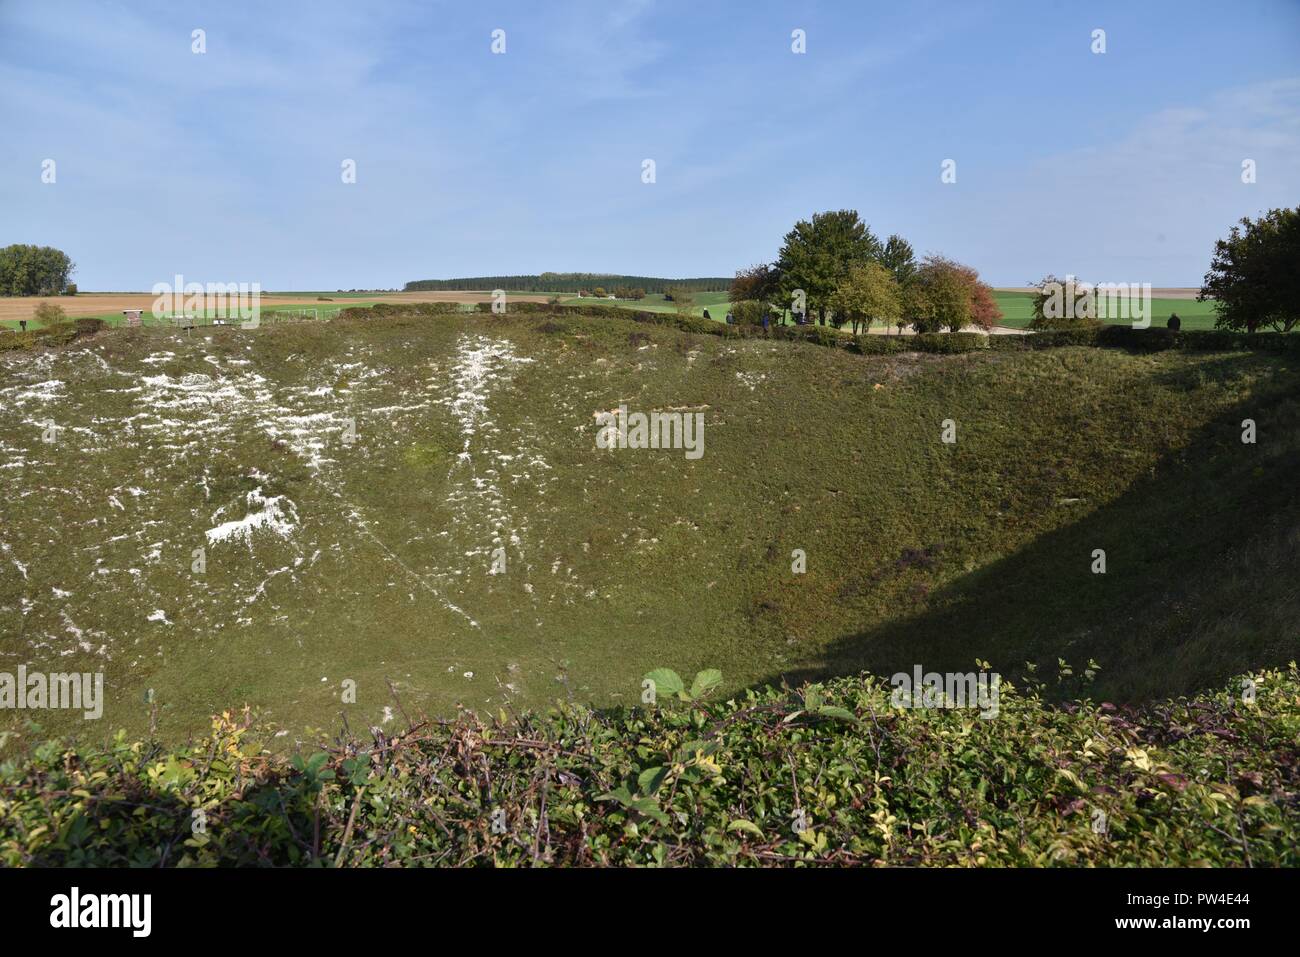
{"points": [[1015, 305], [571, 282], [1016, 308], [109, 306]]}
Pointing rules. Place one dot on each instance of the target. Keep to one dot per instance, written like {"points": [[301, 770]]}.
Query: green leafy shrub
{"points": [[1085, 335], [1007, 343], [1153, 339], [880, 345], [748, 312], [827, 774], [818, 335], [950, 343], [56, 334]]}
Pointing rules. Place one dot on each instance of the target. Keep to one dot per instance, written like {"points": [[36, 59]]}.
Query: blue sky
{"points": [[225, 166]]}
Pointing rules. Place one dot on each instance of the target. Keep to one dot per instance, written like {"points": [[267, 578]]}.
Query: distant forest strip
{"points": [[570, 282]]}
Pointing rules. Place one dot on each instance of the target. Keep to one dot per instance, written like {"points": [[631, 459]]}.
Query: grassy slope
{"points": [[618, 562]]}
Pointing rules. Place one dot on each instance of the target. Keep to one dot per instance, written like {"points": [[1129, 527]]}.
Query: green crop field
{"points": [[276, 517], [1017, 311], [715, 302], [1017, 308]]}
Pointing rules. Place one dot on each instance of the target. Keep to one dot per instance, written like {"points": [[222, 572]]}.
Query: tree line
{"points": [[618, 292], [585, 282], [35, 271], [834, 268]]}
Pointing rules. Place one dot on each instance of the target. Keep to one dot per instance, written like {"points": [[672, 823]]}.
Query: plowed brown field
{"points": [[98, 303]]}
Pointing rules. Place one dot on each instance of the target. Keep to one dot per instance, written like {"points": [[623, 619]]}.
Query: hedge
{"points": [[60, 333], [385, 309], [1154, 339], [827, 774]]}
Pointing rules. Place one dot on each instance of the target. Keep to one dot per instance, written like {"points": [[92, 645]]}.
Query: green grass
{"points": [[715, 302], [622, 561], [1017, 311], [1016, 308]]}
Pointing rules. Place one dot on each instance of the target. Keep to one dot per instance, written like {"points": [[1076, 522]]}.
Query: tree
{"points": [[34, 271], [1063, 304], [984, 309], [950, 295], [681, 298], [817, 253], [899, 259], [916, 308], [867, 292], [1254, 277], [48, 313], [760, 284], [946, 292]]}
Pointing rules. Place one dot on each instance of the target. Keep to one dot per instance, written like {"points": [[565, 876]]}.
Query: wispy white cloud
{"points": [[227, 164], [1152, 198]]}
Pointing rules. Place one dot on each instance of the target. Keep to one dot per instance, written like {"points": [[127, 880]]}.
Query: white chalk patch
{"points": [[275, 514]]}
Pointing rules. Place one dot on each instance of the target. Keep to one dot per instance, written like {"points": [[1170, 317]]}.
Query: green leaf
{"points": [[705, 681], [843, 714], [749, 827], [650, 808], [812, 698], [316, 762], [666, 681], [650, 779], [620, 794], [691, 747]]}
